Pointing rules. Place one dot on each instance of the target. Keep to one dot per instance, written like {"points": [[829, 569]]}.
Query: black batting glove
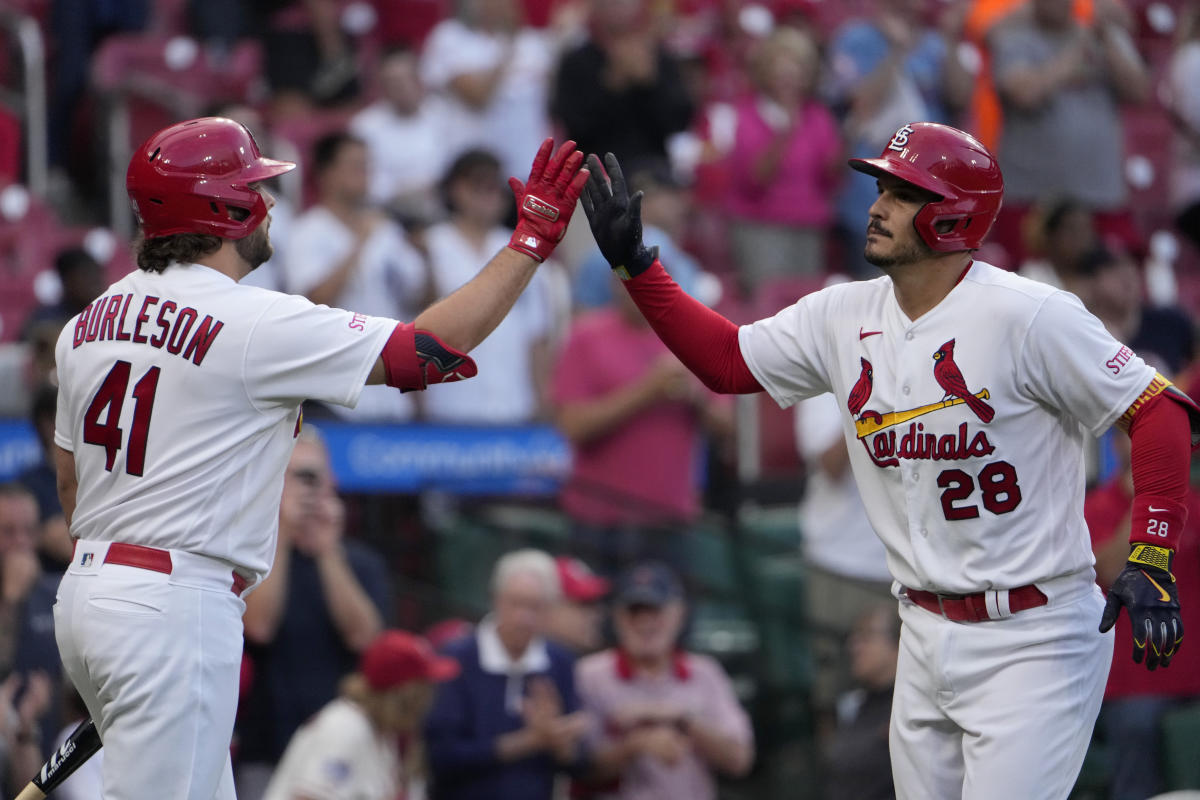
{"points": [[1146, 588], [616, 219]]}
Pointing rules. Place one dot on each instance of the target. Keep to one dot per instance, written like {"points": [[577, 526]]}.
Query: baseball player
{"points": [[966, 436], [179, 403]]}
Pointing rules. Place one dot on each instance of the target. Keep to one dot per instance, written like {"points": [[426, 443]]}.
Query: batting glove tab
{"points": [[616, 219], [1146, 588], [546, 201]]}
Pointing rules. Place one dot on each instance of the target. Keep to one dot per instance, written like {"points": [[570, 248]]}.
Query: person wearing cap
{"points": [[575, 619], [351, 750], [509, 723], [666, 721]]}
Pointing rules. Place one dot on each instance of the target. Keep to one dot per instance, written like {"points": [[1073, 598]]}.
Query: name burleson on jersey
{"points": [[107, 319]]}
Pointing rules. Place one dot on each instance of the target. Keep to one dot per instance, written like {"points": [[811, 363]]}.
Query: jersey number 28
{"points": [[108, 434]]}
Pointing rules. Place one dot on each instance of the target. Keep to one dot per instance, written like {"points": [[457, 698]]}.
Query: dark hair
{"points": [[468, 163], [327, 148], [1058, 212], [1099, 259], [14, 489], [72, 259], [153, 255]]}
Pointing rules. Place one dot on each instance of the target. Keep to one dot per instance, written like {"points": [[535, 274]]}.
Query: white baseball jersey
{"points": [[337, 755], [179, 395], [967, 494]]}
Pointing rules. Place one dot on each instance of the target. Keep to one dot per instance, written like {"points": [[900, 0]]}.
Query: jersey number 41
{"points": [[108, 434]]}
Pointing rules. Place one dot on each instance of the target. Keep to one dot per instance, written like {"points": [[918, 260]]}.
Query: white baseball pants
{"points": [[156, 658], [999, 709]]}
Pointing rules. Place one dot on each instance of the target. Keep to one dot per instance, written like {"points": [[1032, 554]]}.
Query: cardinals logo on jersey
{"points": [[950, 378], [862, 389], [887, 442]]}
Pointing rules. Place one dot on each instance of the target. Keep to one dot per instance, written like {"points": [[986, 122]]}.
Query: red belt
{"points": [[974, 607], [154, 559]]}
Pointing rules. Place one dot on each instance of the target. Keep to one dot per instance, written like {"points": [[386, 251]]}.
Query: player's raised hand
{"points": [[1146, 588], [546, 201], [616, 218]]}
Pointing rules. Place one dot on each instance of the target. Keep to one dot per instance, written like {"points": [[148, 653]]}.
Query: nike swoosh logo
{"points": [[864, 334], [1153, 509], [1166, 598]]}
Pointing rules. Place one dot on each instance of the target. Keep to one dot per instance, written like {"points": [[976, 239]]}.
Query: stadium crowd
{"points": [[735, 117]]}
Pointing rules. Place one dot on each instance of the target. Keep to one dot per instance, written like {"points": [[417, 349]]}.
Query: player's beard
{"points": [[255, 249], [902, 253]]}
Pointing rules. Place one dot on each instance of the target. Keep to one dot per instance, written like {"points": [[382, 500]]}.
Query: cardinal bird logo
{"points": [[862, 389], [950, 378]]}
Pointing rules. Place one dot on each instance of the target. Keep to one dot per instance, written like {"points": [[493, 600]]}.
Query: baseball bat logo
{"points": [[51, 767]]}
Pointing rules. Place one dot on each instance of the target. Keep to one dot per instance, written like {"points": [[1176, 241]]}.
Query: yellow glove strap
{"points": [[1149, 555]]}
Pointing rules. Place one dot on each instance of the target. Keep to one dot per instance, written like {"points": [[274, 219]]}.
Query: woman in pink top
{"points": [[784, 162]]}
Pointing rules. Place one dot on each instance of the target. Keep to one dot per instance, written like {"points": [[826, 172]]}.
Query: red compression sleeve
{"points": [[703, 340], [400, 362], [1161, 463]]}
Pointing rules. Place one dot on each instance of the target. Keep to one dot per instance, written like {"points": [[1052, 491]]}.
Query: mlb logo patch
{"points": [[86, 560]]}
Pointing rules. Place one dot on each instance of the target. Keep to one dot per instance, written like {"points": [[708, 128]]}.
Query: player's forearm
{"points": [[64, 470], [464, 318], [702, 339], [1160, 456], [353, 614]]}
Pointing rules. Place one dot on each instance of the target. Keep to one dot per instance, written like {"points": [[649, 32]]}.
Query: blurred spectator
{"points": [[510, 722], [1059, 234], [54, 543], [576, 618], [352, 747], [1134, 700], [1060, 83], [885, 72], [666, 721], [1163, 336], [517, 352], [347, 254], [82, 281], [857, 762], [403, 133], [326, 599], [635, 418], [621, 91], [1182, 101], [847, 562], [77, 27], [86, 782], [786, 164], [23, 705], [666, 209], [491, 72], [28, 649]]}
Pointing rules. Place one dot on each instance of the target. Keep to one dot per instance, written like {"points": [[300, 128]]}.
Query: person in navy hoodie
{"points": [[510, 722]]}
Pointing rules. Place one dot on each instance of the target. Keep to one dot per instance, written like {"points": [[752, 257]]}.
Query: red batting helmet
{"points": [[957, 168], [186, 177]]}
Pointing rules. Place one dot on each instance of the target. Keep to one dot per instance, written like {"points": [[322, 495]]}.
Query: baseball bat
{"points": [[81, 745]]}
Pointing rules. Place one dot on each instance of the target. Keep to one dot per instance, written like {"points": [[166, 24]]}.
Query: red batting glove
{"points": [[546, 202]]}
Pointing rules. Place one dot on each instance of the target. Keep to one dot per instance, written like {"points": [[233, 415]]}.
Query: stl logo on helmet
{"points": [[900, 139]]}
